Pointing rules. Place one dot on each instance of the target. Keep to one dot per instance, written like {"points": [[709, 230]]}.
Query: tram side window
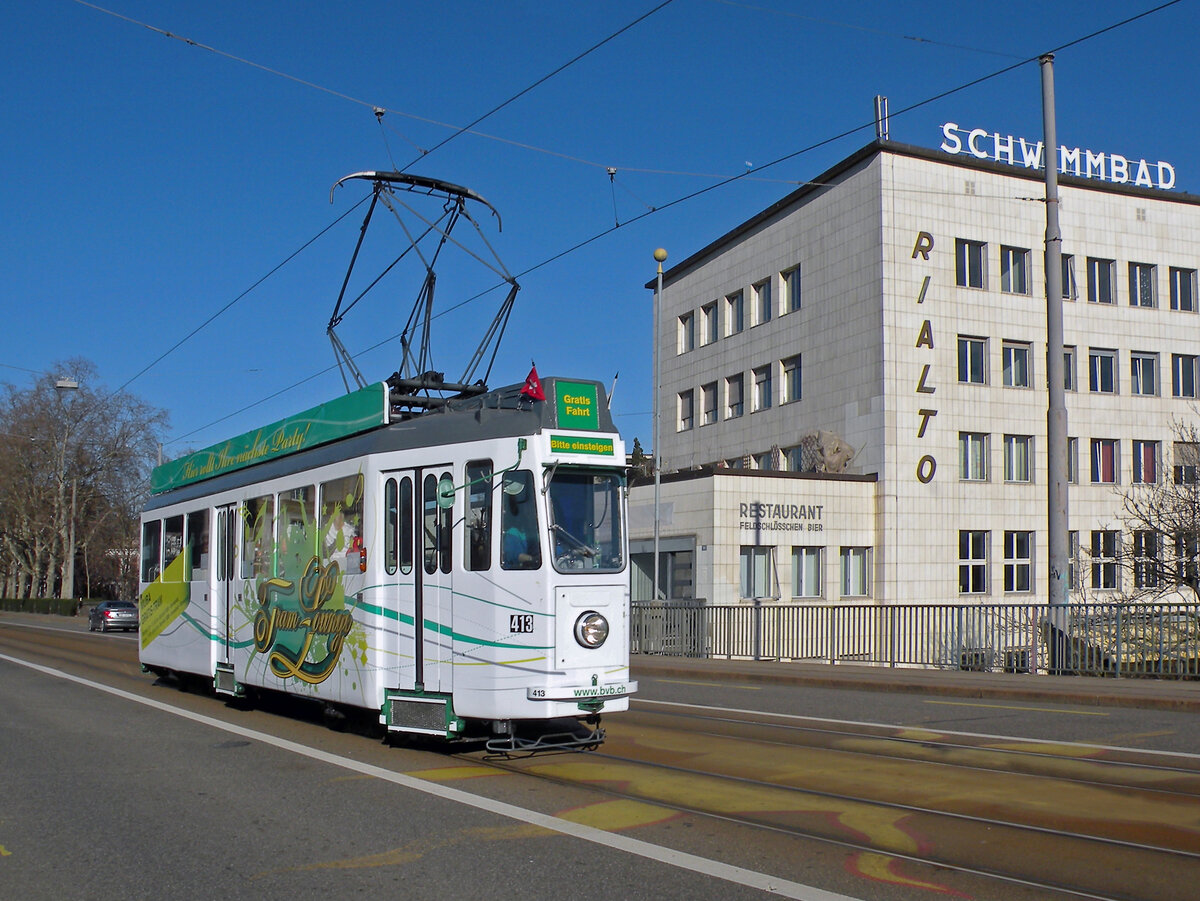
{"points": [[258, 516], [172, 548], [435, 527], [197, 544], [478, 521], [151, 550], [341, 519], [407, 522], [391, 522], [297, 525], [520, 546]]}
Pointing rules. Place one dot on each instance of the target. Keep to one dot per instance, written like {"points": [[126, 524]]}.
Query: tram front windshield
{"points": [[586, 531]]}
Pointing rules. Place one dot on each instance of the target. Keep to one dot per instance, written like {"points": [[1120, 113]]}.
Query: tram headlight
{"points": [[591, 629]]}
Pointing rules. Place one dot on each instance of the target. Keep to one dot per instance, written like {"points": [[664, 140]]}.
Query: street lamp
{"points": [[660, 256], [62, 386]]}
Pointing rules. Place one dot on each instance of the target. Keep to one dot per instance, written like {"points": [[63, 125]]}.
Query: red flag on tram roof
{"points": [[533, 385]]}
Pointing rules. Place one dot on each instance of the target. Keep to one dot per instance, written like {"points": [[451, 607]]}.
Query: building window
{"points": [[1014, 270], [1145, 462], [1073, 460], [1016, 365], [756, 572], [708, 403], [1183, 375], [1183, 289], [970, 257], [1141, 285], [1143, 370], [762, 388], [1187, 557], [1185, 460], [972, 562], [972, 456], [806, 572], [1104, 559], [1016, 458], [972, 352], [764, 461], [735, 313], [1018, 561], [1104, 461], [791, 379], [735, 395], [1145, 559], [1069, 383], [1070, 288], [856, 581], [791, 290], [1074, 569], [1102, 371], [687, 410], [710, 322], [1101, 288], [793, 459], [762, 302], [687, 333]]}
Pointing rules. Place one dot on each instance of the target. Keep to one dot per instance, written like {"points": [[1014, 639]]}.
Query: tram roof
{"points": [[501, 413]]}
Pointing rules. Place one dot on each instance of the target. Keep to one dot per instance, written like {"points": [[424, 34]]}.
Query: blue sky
{"points": [[150, 182]]}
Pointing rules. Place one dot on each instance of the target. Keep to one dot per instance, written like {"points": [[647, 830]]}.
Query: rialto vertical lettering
{"points": [[927, 464]]}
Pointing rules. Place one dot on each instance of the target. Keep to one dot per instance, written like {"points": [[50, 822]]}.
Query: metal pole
{"points": [[70, 586], [1056, 416], [660, 255]]}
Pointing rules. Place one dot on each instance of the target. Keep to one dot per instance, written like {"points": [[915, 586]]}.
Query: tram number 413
{"points": [[520, 622]]}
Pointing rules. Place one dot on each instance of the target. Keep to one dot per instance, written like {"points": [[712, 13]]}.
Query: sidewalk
{"points": [[1161, 694]]}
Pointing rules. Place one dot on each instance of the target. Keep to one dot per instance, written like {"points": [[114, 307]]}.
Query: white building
{"points": [[898, 303]]}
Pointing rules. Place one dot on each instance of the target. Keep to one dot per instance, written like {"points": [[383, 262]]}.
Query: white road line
{"points": [[821, 720], [702, 865]]}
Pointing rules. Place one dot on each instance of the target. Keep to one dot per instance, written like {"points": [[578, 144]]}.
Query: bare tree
{"points": [[74, 468], [1159, 552]]}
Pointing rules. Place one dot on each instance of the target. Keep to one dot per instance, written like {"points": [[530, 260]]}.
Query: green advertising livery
{"points": [[357, 412]]}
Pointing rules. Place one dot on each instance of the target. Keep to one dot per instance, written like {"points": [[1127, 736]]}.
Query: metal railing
{"points": [[1125, 639]]}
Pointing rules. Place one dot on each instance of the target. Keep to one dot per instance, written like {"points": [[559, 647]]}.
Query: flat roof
{"points": [[859, 158]]}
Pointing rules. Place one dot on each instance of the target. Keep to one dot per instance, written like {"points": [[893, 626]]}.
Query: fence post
{"points": [[756, 629], [1120, 634]]}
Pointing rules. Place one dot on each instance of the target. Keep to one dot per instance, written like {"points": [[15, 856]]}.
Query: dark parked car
{"points": [[113, 615]]}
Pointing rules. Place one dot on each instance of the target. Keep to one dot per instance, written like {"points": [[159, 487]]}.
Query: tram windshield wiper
{"points": [[582, 546]]}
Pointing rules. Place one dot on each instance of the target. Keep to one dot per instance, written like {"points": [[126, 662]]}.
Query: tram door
{"points": [[225, 546], [418, 566]]}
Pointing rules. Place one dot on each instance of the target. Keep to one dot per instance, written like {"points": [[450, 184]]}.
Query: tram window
{"points": [[585, 520], [478, 521], [297, 525], [197, 544], [341, 520], [172, 548], [391, 516], [258, 517], [444, 533], [520, 545], [151, 550], [406, 525]]}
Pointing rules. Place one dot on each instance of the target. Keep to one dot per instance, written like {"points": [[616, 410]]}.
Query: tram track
{"points": [[1064, 838], [1009, 755]]}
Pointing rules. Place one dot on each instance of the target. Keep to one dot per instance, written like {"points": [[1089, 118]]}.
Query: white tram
{"points": [[462, 571]]}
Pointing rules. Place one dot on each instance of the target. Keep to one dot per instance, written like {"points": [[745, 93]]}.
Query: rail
{"points": [[1115, 639]]}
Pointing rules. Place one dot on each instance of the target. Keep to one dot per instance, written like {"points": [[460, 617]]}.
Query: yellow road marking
{"points": [[710, 684], [4, 852], [612, 816], [448, 773], [1020, 707]]}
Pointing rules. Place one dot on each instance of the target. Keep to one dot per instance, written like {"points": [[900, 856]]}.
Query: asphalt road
{"points": [[117, 786]]}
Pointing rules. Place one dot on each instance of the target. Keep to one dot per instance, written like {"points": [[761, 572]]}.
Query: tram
{"points": [[463, 572]]}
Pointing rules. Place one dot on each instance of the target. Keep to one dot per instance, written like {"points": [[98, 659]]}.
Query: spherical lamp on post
{"points": [[660, 256]]}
